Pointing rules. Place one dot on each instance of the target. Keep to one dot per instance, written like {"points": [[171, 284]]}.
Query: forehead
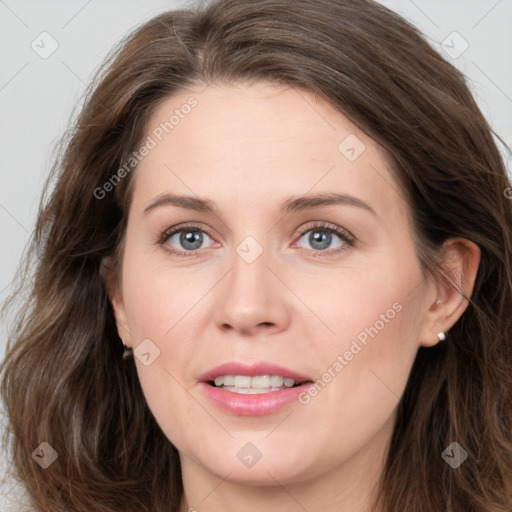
{"points": [[261, 141]]}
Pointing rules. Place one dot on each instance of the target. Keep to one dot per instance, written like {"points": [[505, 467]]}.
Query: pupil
{"points": [[195, 238], [323, 238]]}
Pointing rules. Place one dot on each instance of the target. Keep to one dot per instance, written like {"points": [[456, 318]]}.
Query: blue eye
{"points": [[185, 239], [326, 238], [322, 239]]}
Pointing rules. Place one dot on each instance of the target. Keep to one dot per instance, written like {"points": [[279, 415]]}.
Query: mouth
{"points": [[254, 385], [254, 389]]}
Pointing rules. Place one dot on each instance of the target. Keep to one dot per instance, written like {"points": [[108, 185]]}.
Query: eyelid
{"points": [[168, 233], [181, 227], [346, 236], [342, 232]]}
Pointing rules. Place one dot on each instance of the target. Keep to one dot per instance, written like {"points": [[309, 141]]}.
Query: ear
{"points": [[459, 264], [115, 295]]}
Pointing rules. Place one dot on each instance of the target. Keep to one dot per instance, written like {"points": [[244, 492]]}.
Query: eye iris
{"points": [[191, 237], [323, 238]]}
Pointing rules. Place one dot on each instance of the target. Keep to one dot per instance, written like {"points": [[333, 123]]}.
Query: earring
{"points": [[441, 336], [128, 351]]}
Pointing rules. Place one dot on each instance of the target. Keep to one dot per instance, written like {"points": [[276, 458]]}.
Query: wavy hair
{"points": [[64, 380]]}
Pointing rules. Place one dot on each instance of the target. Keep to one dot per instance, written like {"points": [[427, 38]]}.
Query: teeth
{"points": [[262, 381], [250, 391], [253, 385], [242, 381], [276, 381]]}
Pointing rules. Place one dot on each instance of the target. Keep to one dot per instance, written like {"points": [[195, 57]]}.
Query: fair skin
{"points": [[247, 148]]}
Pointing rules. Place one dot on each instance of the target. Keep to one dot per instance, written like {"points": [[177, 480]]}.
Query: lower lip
{"points": [[253, 405]]}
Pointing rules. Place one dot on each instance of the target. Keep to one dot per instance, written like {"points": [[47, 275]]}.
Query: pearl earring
{"points": [[441, 336]]}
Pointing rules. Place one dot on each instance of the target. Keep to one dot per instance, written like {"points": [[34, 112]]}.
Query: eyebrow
{"points": [[288, 206]]}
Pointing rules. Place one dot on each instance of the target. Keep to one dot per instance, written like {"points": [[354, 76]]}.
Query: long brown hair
{"points": [[64, 381]]}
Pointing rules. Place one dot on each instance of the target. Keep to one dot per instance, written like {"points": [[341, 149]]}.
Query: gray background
{"points": [[37, 95]]}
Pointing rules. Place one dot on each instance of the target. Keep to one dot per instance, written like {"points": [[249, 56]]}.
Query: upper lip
{"points": [[251, 370]]}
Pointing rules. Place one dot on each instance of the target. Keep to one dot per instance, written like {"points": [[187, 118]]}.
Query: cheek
{"points": [[164, 307], [157, 312], [373, 308], [364, 365], [158, 299]]}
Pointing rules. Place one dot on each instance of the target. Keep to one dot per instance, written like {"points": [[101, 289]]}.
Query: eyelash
{"points": [[344, 235]]}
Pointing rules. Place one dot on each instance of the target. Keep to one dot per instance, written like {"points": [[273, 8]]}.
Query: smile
{"points": [[259, 384]]}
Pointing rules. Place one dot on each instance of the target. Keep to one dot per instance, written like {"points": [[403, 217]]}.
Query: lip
{"points": [[251, 370], [252, 405]]}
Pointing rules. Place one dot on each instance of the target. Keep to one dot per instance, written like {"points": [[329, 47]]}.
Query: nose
{"points": [[253, 299]]}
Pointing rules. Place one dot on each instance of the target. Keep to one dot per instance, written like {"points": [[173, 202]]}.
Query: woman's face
{"points": [[292, 261]]}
